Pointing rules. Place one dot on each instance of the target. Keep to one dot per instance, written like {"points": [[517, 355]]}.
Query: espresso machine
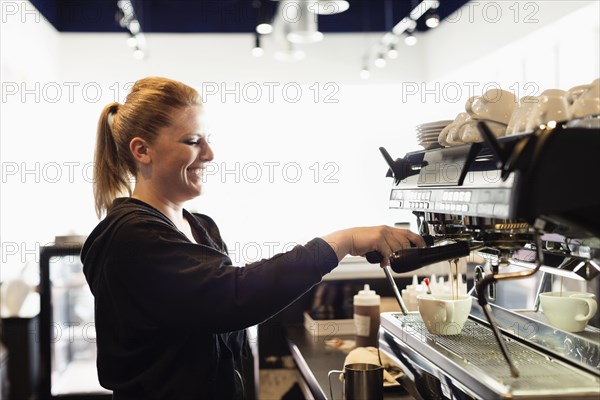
{"points": [[525, 208]]}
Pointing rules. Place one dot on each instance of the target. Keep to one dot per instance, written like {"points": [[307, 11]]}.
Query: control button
{"points": [[485, 196], [485, 209], [445, 196], [465, 207], [501, 196], [467, 196], [396, 195], [501, 210], [395, 204], [461, 196], [455, 196], [427, 196]]}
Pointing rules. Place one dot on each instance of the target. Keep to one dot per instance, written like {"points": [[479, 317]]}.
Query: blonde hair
{"points": [[148, 108]]}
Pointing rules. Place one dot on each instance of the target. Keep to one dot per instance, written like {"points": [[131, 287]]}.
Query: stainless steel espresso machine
{"points": [[527, 207]]}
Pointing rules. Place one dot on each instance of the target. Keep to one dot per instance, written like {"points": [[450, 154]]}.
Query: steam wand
{"points": [[390, 278], [482, 300]]}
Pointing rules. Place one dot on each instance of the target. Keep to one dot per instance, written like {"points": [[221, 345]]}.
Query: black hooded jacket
{"points": [[170, 314]]}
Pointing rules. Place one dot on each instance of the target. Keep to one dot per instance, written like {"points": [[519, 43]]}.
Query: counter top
{"points": [[314, 360]]}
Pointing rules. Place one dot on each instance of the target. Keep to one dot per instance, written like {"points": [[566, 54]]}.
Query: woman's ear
{"points": [[139, 149]]}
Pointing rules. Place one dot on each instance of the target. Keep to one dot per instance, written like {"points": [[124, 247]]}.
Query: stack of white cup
{"points": [[579, 105], [494, 107]]}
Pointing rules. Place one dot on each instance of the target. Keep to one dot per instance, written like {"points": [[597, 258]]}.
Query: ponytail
{"points": [[111, 176]]}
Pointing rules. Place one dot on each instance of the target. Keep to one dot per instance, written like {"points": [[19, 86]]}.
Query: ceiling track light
{"points": [[257, 51], [410, 39], [302, 21], [329, 7], [432, 19], [128, 20], [406, 25], [264, 28], [380, 61], [392, 53], [295, 22], [364, 73], [264, 24]]}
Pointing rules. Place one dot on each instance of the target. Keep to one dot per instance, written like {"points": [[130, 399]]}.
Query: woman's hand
{"points": [[384, 239]]}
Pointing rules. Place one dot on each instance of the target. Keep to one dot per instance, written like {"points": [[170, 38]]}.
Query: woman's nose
{"points": [[207, 153]]}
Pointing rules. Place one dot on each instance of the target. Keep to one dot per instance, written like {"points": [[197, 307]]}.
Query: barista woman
{"points": [[170, 307]]}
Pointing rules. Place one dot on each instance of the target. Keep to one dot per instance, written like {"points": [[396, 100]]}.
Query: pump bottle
{"points": [[367, 317]]}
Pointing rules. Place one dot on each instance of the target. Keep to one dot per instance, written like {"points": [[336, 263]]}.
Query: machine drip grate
{"points": [[476, 346]]}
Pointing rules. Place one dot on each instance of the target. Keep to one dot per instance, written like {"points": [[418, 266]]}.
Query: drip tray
{"points": [[474, 359]]}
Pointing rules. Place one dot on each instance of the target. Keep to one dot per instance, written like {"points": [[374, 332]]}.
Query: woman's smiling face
{"points": [[178, 156]]}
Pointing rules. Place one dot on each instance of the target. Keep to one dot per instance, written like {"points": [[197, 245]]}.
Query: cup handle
{"points": [[334, 371], [593, 307], [469, 105], [449, 312]]}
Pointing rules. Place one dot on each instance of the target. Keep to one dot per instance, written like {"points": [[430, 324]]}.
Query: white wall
{"points": [[29, 133], [337, 134], [524, 47]]}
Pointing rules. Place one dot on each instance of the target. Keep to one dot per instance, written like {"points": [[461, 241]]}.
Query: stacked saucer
{"points": [[428, 133]]}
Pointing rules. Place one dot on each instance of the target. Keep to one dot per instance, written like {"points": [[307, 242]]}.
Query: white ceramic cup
{"points": [[469, 133], [442, 314], [576, 92], [495, 104], [593, 91], [568, 311], [551, 105], [584, 107], [520, 116], [452, 134], [444, 134]]}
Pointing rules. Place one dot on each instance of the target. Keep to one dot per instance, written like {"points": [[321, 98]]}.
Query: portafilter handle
{"points": [[410, 259], [407, 260], [375, 257]]}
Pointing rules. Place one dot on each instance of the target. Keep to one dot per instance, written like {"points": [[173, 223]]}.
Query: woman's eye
{"points": [[195, 141]]}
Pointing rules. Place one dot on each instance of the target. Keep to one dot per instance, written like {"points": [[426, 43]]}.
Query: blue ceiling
{"points": [[221, 16]]}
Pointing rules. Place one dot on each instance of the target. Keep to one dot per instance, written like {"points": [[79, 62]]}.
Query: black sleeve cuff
{"points": [[325, 258]]}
